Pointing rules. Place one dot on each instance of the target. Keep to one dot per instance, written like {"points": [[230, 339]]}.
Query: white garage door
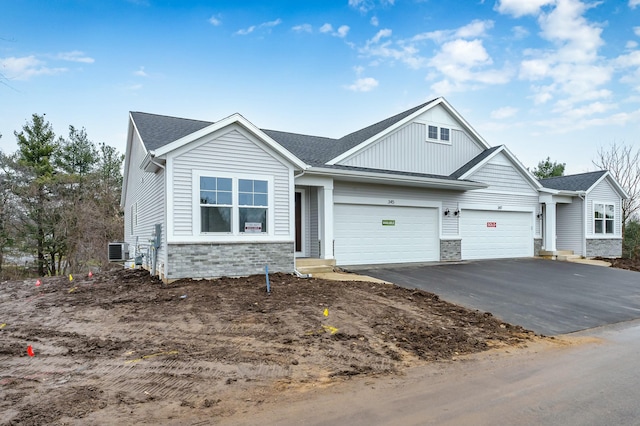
{"points": [[496, 234], [366, 234]]}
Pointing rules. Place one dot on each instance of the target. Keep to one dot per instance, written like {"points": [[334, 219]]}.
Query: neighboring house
{"points": [[585, 213], [205, 199]]}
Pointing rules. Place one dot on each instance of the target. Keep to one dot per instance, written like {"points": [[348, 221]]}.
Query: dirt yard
{"points": [[123, 348], [622, 263]]}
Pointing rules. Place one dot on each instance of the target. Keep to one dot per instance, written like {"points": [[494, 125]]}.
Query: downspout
{"points": [[156, 244]]}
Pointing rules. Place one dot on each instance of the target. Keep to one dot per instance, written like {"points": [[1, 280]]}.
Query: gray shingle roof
{"points": [[474, 161], [159, 130], [313, 150], [579, 182]]}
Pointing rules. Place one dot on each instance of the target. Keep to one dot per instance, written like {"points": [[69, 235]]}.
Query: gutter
{"points": [[399, 179]]}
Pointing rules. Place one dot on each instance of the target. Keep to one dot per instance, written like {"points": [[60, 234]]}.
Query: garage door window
{"points": [[603, 218]]}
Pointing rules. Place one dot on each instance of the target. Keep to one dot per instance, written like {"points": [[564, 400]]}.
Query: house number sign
{"points": [[492, 224]]}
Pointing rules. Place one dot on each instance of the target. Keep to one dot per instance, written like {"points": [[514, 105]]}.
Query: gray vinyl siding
{"points": [[408, 150], [501, 175], [231, 152], [604, 192], [449, 199], [569, 225], [148, 191]]}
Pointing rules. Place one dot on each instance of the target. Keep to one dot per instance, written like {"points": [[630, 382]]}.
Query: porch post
{"points": [[325, 207], [550, 226]]}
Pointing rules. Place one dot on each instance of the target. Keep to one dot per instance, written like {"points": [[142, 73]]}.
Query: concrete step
{"points": [[556, 253], [568, 257], [308, 265]]}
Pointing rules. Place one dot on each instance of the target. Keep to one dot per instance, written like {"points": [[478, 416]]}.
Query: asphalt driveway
{"points": [[548, 297]]}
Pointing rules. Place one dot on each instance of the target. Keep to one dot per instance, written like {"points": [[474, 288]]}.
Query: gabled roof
{"points": [[579, 182], [313, 150], [356, 141], [485, 156], [474, 162], [158, 130]]}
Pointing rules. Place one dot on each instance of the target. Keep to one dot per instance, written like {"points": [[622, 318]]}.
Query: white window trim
{"points": [[235, 234], [438, 134], [593, 220]]}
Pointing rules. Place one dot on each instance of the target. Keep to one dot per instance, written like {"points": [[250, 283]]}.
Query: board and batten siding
{"points": [[148, 191], [604, 192], [231, 152], [569, 226], [409, 150]]}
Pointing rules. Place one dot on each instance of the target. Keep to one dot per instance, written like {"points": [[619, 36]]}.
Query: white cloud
{"points": [[504, 112], [518, 8], [374, 21], [379, 35], [631, 44], [75, 56], [341, 32], [364, 6], [636, 30], [363, 85], [474, 29], [519, 32], [573, 65], [358, 70], [215, 20], [634, 3], [303, 28], [140, 72], [26, 67], [252, 28], [326, 28]]}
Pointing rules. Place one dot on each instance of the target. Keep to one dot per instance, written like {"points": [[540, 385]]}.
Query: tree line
{"points": [[59, 201]]}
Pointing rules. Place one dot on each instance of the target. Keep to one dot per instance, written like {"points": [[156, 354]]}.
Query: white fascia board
{"points": [[527, 174], [385, 132], [239, 119], [392, 179], [407, 119], [481, 164], [127, 157], [614, 182], [464, 122]]}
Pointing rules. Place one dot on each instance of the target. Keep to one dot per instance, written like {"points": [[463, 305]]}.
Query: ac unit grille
{"points": [[118, 252]]}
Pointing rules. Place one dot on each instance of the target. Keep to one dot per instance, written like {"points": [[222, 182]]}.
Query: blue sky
{"points": [[556, 78]]}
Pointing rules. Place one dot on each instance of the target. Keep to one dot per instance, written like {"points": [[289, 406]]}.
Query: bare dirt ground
{"points": [[121, 347], [623, 263]]}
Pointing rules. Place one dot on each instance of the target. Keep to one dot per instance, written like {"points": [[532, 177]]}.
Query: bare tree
{"points": [[623, 162]]}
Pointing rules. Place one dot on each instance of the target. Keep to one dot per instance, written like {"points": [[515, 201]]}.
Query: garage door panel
{"points": [[361, 238], [496, 234]]}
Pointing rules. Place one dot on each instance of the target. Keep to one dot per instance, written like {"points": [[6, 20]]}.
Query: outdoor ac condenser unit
{"points": [[118, 252]]}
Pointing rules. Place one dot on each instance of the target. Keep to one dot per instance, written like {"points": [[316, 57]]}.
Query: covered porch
{"points": [[562, 225]]}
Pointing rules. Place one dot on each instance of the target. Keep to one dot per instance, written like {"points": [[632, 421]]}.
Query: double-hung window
{"points": [[216, 202], [253, 202], [603, 218], [232, 205]]}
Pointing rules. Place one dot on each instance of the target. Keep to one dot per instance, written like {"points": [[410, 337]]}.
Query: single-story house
{"points": [[226, 198]]}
